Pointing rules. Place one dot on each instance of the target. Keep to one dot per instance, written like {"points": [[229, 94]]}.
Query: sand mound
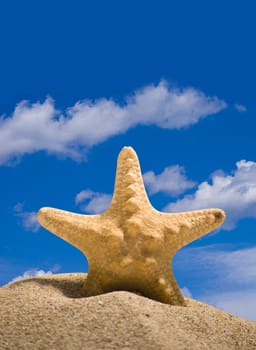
{"points": [[49, 313]]}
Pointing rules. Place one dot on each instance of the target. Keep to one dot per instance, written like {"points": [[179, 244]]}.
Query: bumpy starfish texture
{"points": [[130, 246]]}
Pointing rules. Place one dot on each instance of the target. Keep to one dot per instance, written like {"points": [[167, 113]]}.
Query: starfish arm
{"points": [[129, 192], [184, 228], [76, 229]]}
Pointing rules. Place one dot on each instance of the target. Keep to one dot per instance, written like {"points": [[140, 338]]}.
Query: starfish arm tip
{"points": [[219, 216], [42, 214], [127, 152], [51, 218]]}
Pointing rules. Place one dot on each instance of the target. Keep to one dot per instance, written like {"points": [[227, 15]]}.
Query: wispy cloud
{"points": [[222, 277], [240, 108], [186, 292], [237, 302], [31, 273], [172, 181], [41, 127], [235, 193], [35, 272], [93, 202], [28, 219]]}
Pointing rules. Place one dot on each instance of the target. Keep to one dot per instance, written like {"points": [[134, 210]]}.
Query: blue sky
{"points": [[173, 79]]}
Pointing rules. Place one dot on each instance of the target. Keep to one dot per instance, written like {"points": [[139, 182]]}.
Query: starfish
{"points": [[130, 246]]}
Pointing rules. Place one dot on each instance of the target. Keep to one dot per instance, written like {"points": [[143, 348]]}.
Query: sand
{"points": [[49, 312]]}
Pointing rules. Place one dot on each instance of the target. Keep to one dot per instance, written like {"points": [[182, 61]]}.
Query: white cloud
{"points": [[28, 219], [32, 273], [172, 181], [96, 202], [236, 272], [236, 302], [83, 195], [186, 292], [240, 263], [230, 267], [40, 127], [221, 277], [235, 193], [240, 108]]}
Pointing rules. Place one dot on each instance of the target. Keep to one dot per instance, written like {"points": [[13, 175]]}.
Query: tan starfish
{"points": [[130, 245]]}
